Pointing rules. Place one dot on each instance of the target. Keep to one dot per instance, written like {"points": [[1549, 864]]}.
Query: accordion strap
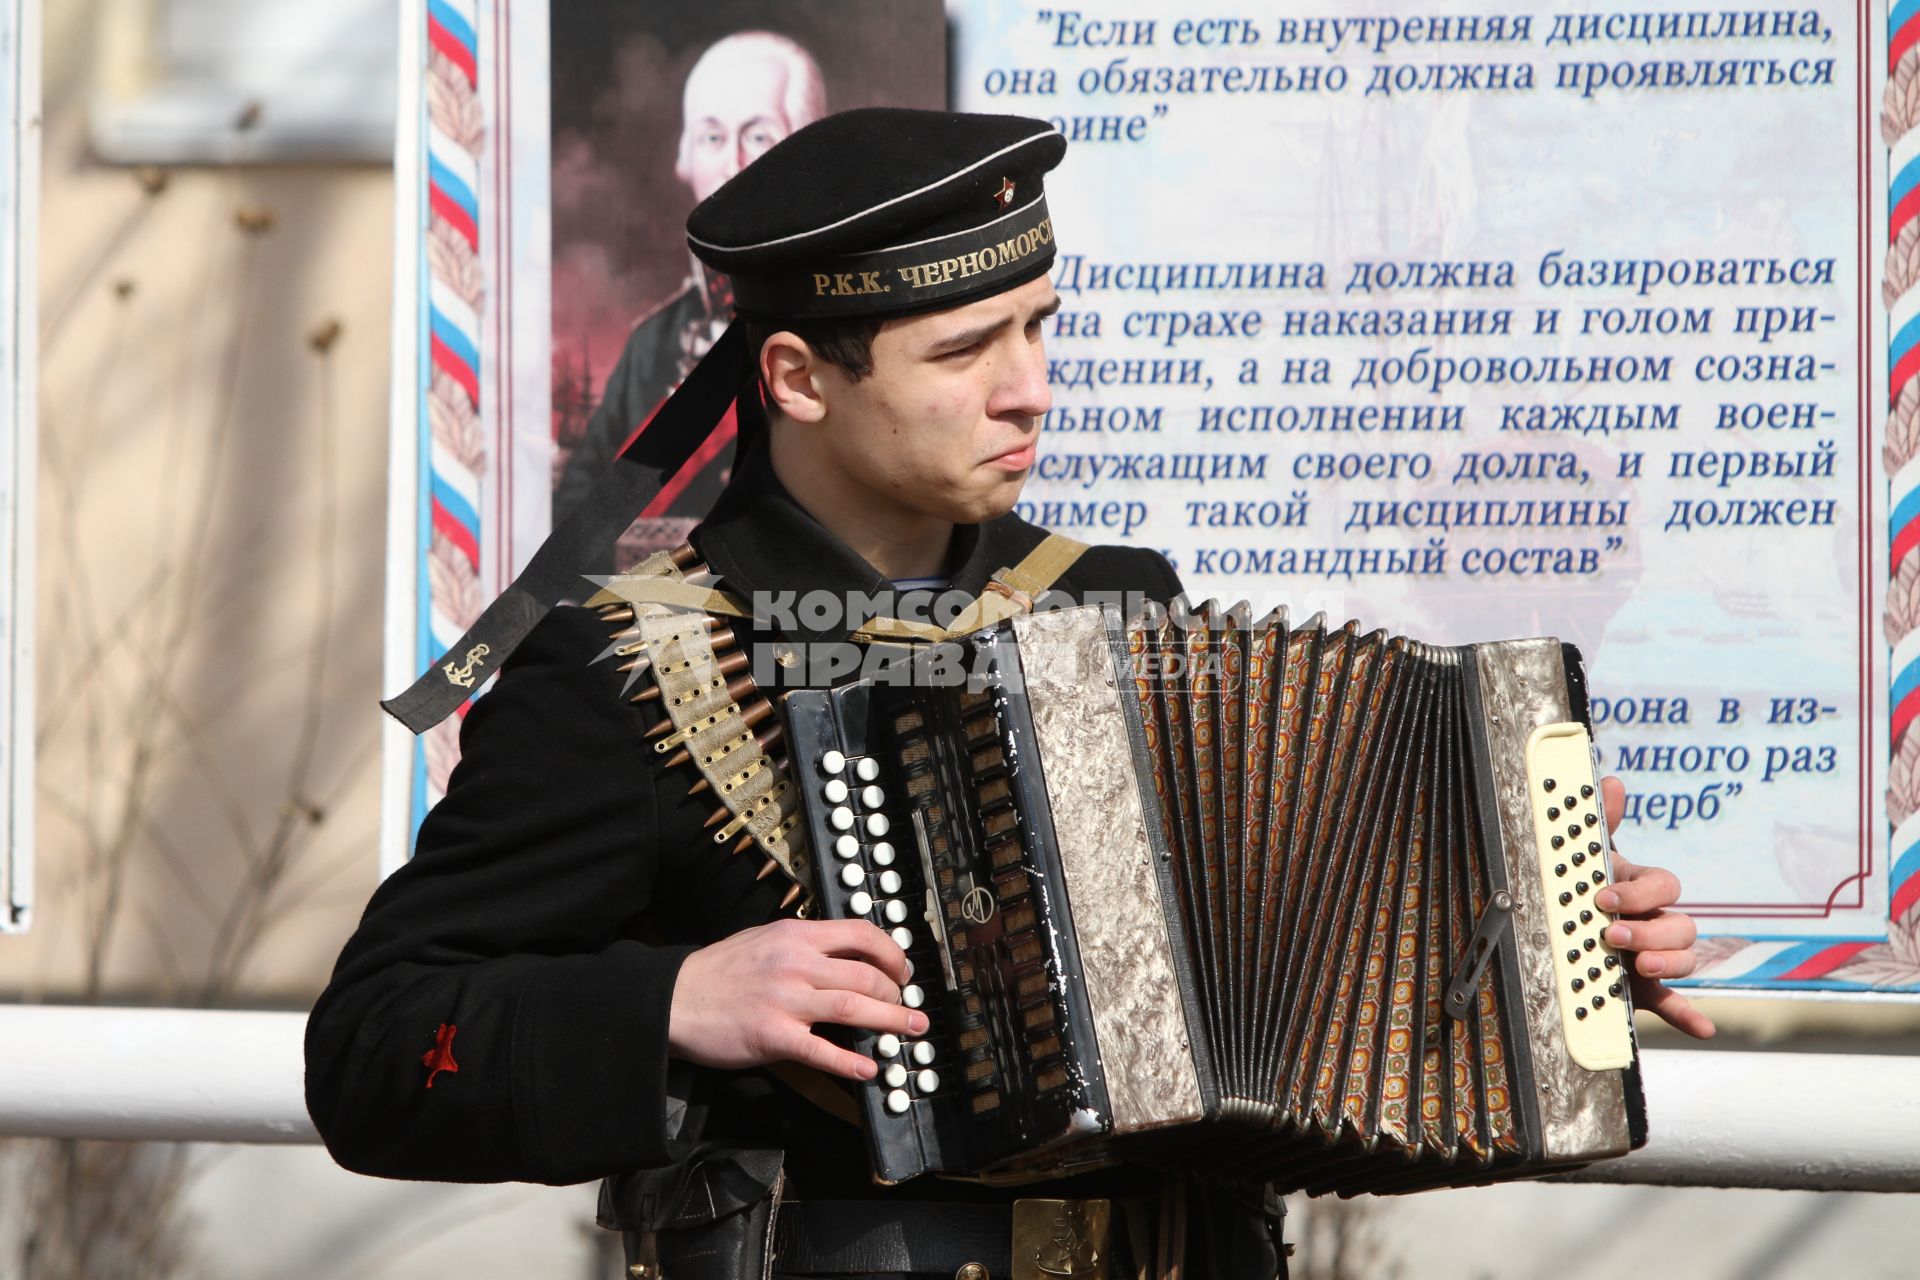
{"points": [[641, 587], [1008, 592]]}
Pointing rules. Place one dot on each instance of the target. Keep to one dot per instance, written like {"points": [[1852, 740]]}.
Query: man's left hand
{"points": [[1661, 939]]}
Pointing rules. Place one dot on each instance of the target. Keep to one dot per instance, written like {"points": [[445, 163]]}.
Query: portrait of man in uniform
{"points": [[654, 107]]}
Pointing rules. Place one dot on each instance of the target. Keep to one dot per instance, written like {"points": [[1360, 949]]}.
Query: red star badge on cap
{"points": [[1005, 194]]}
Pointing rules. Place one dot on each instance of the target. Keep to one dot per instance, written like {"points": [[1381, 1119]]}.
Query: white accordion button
{"points": [[903, 937], [889, 882], [896, 911], [922, 1053], [841, 818], [851, 875], [872, 797], [846, 846], [926, 1081], [832, 762], [866, 769], [882, 854], [877, 824], [898, 1101], [861, 902], [887, 1046], [912, 996], [895, 1075], [835, 791]]}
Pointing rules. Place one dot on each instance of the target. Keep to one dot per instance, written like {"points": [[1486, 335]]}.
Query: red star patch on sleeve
{"points": [[440, 1057]]}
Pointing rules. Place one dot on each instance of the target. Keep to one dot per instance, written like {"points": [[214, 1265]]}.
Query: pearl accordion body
{"points": [[1241, 898]]}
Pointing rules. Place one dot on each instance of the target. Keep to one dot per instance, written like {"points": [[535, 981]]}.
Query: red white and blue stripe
{"points": [[450, 340], [1903, 366], [1800, 963]]}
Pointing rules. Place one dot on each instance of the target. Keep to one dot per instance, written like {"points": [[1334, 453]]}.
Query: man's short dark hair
{"points": [[845, 344]]}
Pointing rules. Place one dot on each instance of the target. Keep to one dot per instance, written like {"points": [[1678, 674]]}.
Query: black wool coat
{"points": [[534, 940]]}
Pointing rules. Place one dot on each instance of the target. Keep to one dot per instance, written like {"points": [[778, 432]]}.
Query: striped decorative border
{"points": [[1890, 963], [454, 456]]}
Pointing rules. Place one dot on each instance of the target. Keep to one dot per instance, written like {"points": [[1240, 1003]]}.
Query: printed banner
{"points": [[1521, 323], [1597, 324]]}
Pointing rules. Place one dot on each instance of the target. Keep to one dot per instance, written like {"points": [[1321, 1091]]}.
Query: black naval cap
{"points": [[866, 214], [884, 211]]}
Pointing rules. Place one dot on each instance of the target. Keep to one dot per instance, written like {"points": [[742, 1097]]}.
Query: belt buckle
{"points": [[1061, 1239]]}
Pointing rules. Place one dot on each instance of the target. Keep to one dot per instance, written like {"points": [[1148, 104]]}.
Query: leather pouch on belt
{"points": [[708, 1217]]}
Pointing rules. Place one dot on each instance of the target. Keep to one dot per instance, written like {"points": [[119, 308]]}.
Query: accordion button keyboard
{"points": [[1598, 1032]]}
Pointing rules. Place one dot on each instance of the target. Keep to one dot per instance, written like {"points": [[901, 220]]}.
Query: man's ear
{"points": [[790, 371]]}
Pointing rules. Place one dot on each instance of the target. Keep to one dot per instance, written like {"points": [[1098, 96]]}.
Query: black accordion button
{"points": [[1548, 784], [1559, 868], [1586, 793], [1614, 990], [1558, 841], [1565, 898], [1593, 846], [1586, 917], [1588, 944], [1578, 858], [1613, 962], [1599, 876], [1594, 973], [1579, 984], [1573, 955], [1573, 828], [1599, 1002], [1593, 820], [1581, 887], [1580, 1013], [1568, 927]]}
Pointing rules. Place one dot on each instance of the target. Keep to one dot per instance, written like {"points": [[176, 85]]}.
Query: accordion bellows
{"points": [[1244, 898]]}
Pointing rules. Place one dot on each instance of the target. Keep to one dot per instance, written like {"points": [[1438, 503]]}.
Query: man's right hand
{"points": [[754, 998]]}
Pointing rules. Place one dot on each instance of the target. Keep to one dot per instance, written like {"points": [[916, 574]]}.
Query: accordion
{"points": [[1233, 897]]}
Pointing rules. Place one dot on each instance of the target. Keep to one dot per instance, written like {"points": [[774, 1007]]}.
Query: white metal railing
{"points": [[1818, 1121]]}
